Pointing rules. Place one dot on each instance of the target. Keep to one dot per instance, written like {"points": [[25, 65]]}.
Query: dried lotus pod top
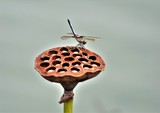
{"points": [[68, 65]]}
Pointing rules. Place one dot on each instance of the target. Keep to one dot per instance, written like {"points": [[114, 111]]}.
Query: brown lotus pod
{"points": [[68, 66]]}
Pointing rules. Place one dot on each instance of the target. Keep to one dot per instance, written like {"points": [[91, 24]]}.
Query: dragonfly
{"points": [[82, 40]]}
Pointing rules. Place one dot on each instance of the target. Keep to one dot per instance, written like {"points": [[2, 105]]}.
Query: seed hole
{"points": [[44, 64], [75, 50], [62, 70], [65, 54], [51, 69], [77, 55], [76, 63], [56, 63], [95, 64], [52, 52], [44, 58], [92, 57], [83, 60], [63, 50], [85, 54], [69, 59], [87, 66], [75, 70], [65, 65], [56, 57]]}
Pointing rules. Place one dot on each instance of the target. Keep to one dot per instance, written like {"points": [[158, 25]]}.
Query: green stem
{"points": [[68, 106]]}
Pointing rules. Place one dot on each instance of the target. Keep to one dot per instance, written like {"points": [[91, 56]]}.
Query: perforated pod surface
{"points": [[69, 64]]}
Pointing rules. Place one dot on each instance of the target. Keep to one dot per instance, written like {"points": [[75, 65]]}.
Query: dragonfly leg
{"points": [[80, 45]]}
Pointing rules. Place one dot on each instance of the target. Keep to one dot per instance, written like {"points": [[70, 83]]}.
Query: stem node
{"points": [[66, 96]]}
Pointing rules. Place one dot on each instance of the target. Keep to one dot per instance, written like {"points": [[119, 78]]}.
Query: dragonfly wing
{"points": [[65, 37], [72, 34], [90, 38]]}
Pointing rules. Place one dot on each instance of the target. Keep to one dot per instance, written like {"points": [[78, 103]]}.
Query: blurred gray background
{"points": [[130, 47]]}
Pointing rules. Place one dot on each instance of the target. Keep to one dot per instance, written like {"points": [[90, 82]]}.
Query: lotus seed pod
{"points": [[69, 65]]}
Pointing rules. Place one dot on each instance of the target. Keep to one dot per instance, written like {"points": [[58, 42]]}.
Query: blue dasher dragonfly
{"points": [[82, 40]]}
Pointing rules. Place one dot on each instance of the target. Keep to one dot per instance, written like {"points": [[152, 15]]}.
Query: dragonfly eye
{"points": [[84, 42]]}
